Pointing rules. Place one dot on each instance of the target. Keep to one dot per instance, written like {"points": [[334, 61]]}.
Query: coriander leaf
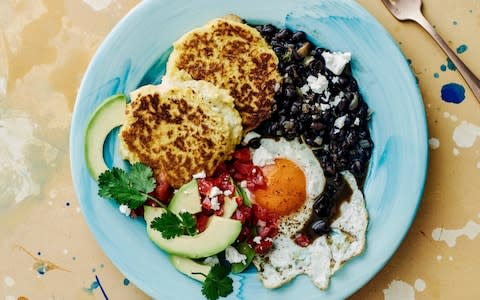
{"points": [[217, 284], [169, 225], [116, 184], [141, 178], [189, 223]]}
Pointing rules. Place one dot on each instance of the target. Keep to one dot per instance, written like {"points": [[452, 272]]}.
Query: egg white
{"points": [[321, 259]]}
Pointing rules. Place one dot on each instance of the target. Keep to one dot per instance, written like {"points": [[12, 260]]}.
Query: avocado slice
{"points": [[220, 233], [188, 266], [109, 115], [187, 198]]}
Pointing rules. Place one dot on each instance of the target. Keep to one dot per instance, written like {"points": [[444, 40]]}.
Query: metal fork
{"points": [[411, 10]]}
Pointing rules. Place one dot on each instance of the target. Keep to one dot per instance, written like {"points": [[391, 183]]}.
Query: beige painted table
{"points": [[46, 249]]}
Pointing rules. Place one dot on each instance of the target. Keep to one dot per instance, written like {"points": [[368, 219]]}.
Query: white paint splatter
{"points": [[434, 143], [420, 285], [77, 209], [456, 152], [478, 165], [439, 257], [98, 4], [449, 236], [9, 281], [450, 258], [10, 298], [399, 290], [446, 114], [50, 203], [19, 170], [3, 87], [466, 134], [65, 251], [454, 118]]}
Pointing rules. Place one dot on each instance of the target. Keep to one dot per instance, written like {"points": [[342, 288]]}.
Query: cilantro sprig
{"points": [[172, 225], [217, 283], [132, 188]]}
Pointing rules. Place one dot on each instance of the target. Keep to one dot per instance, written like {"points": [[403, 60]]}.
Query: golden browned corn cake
{"points": [[233, 56], [180, 128]]}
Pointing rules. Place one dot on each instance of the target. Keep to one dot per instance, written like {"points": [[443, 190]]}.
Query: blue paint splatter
{"points": [[93, 270], [436, 75], [74, 258], [126, 282], [443, 68], [39, 253], [462, 48], [450, 65], [101, 266], [455, 22], [453, 93], [93, 286], [409, 61]]}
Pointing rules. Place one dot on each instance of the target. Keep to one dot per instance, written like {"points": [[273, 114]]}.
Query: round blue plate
{"points": [[134, 54]]}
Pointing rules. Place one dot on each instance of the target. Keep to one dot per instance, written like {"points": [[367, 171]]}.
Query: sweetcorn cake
{"points": [[233, 56], [180, 128]]}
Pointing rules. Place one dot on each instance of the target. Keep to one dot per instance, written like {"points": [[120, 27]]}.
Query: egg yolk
{"points": [[286, 187]]}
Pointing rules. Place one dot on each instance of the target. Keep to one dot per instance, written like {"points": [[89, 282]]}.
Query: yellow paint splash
{"points": [[40, 265]]}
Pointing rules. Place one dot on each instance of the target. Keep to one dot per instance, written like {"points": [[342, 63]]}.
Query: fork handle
{"points": [[472, 80]]}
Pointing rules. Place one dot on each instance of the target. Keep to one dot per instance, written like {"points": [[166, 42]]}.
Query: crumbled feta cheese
{"points": [[277, 87], [214, 203], [233, 256], [318, 140], [227, 193], [243, 183], [356, 122], [324, 106], [199, 175], [335, 79], [317, 84], [215, 191], [257, 239], [249, 136], [211, 260], [336, 61], [326, 96], [340, 122], [268, 239], [304, 89], [124, 209], [262, 157]]}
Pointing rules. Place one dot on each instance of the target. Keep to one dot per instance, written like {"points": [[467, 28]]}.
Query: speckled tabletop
{"points": [[46, 249]]}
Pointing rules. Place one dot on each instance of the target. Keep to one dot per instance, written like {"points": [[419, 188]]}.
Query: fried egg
{"points": [[288, 167]]}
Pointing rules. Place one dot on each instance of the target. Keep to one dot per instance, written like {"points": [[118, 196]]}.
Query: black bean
{"points": [[268, 30], [320, 227], [321, 207], [317, 126], [283, 34], [254, 143], [298, 36]]}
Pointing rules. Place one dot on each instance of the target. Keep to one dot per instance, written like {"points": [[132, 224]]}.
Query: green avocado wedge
{"points": [[109, 115], [220, 233], [188, 266]]}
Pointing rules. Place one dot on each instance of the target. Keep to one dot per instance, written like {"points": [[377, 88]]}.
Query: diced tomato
{"points": [[245, 234], [243, 214], [202, 221], [163, 191], [268, 231], [206, 204], [302, 240], [263, 247], [219, 212], [260, 213], [242, 154], [221, 199], [204, 186], [239, 201]]}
